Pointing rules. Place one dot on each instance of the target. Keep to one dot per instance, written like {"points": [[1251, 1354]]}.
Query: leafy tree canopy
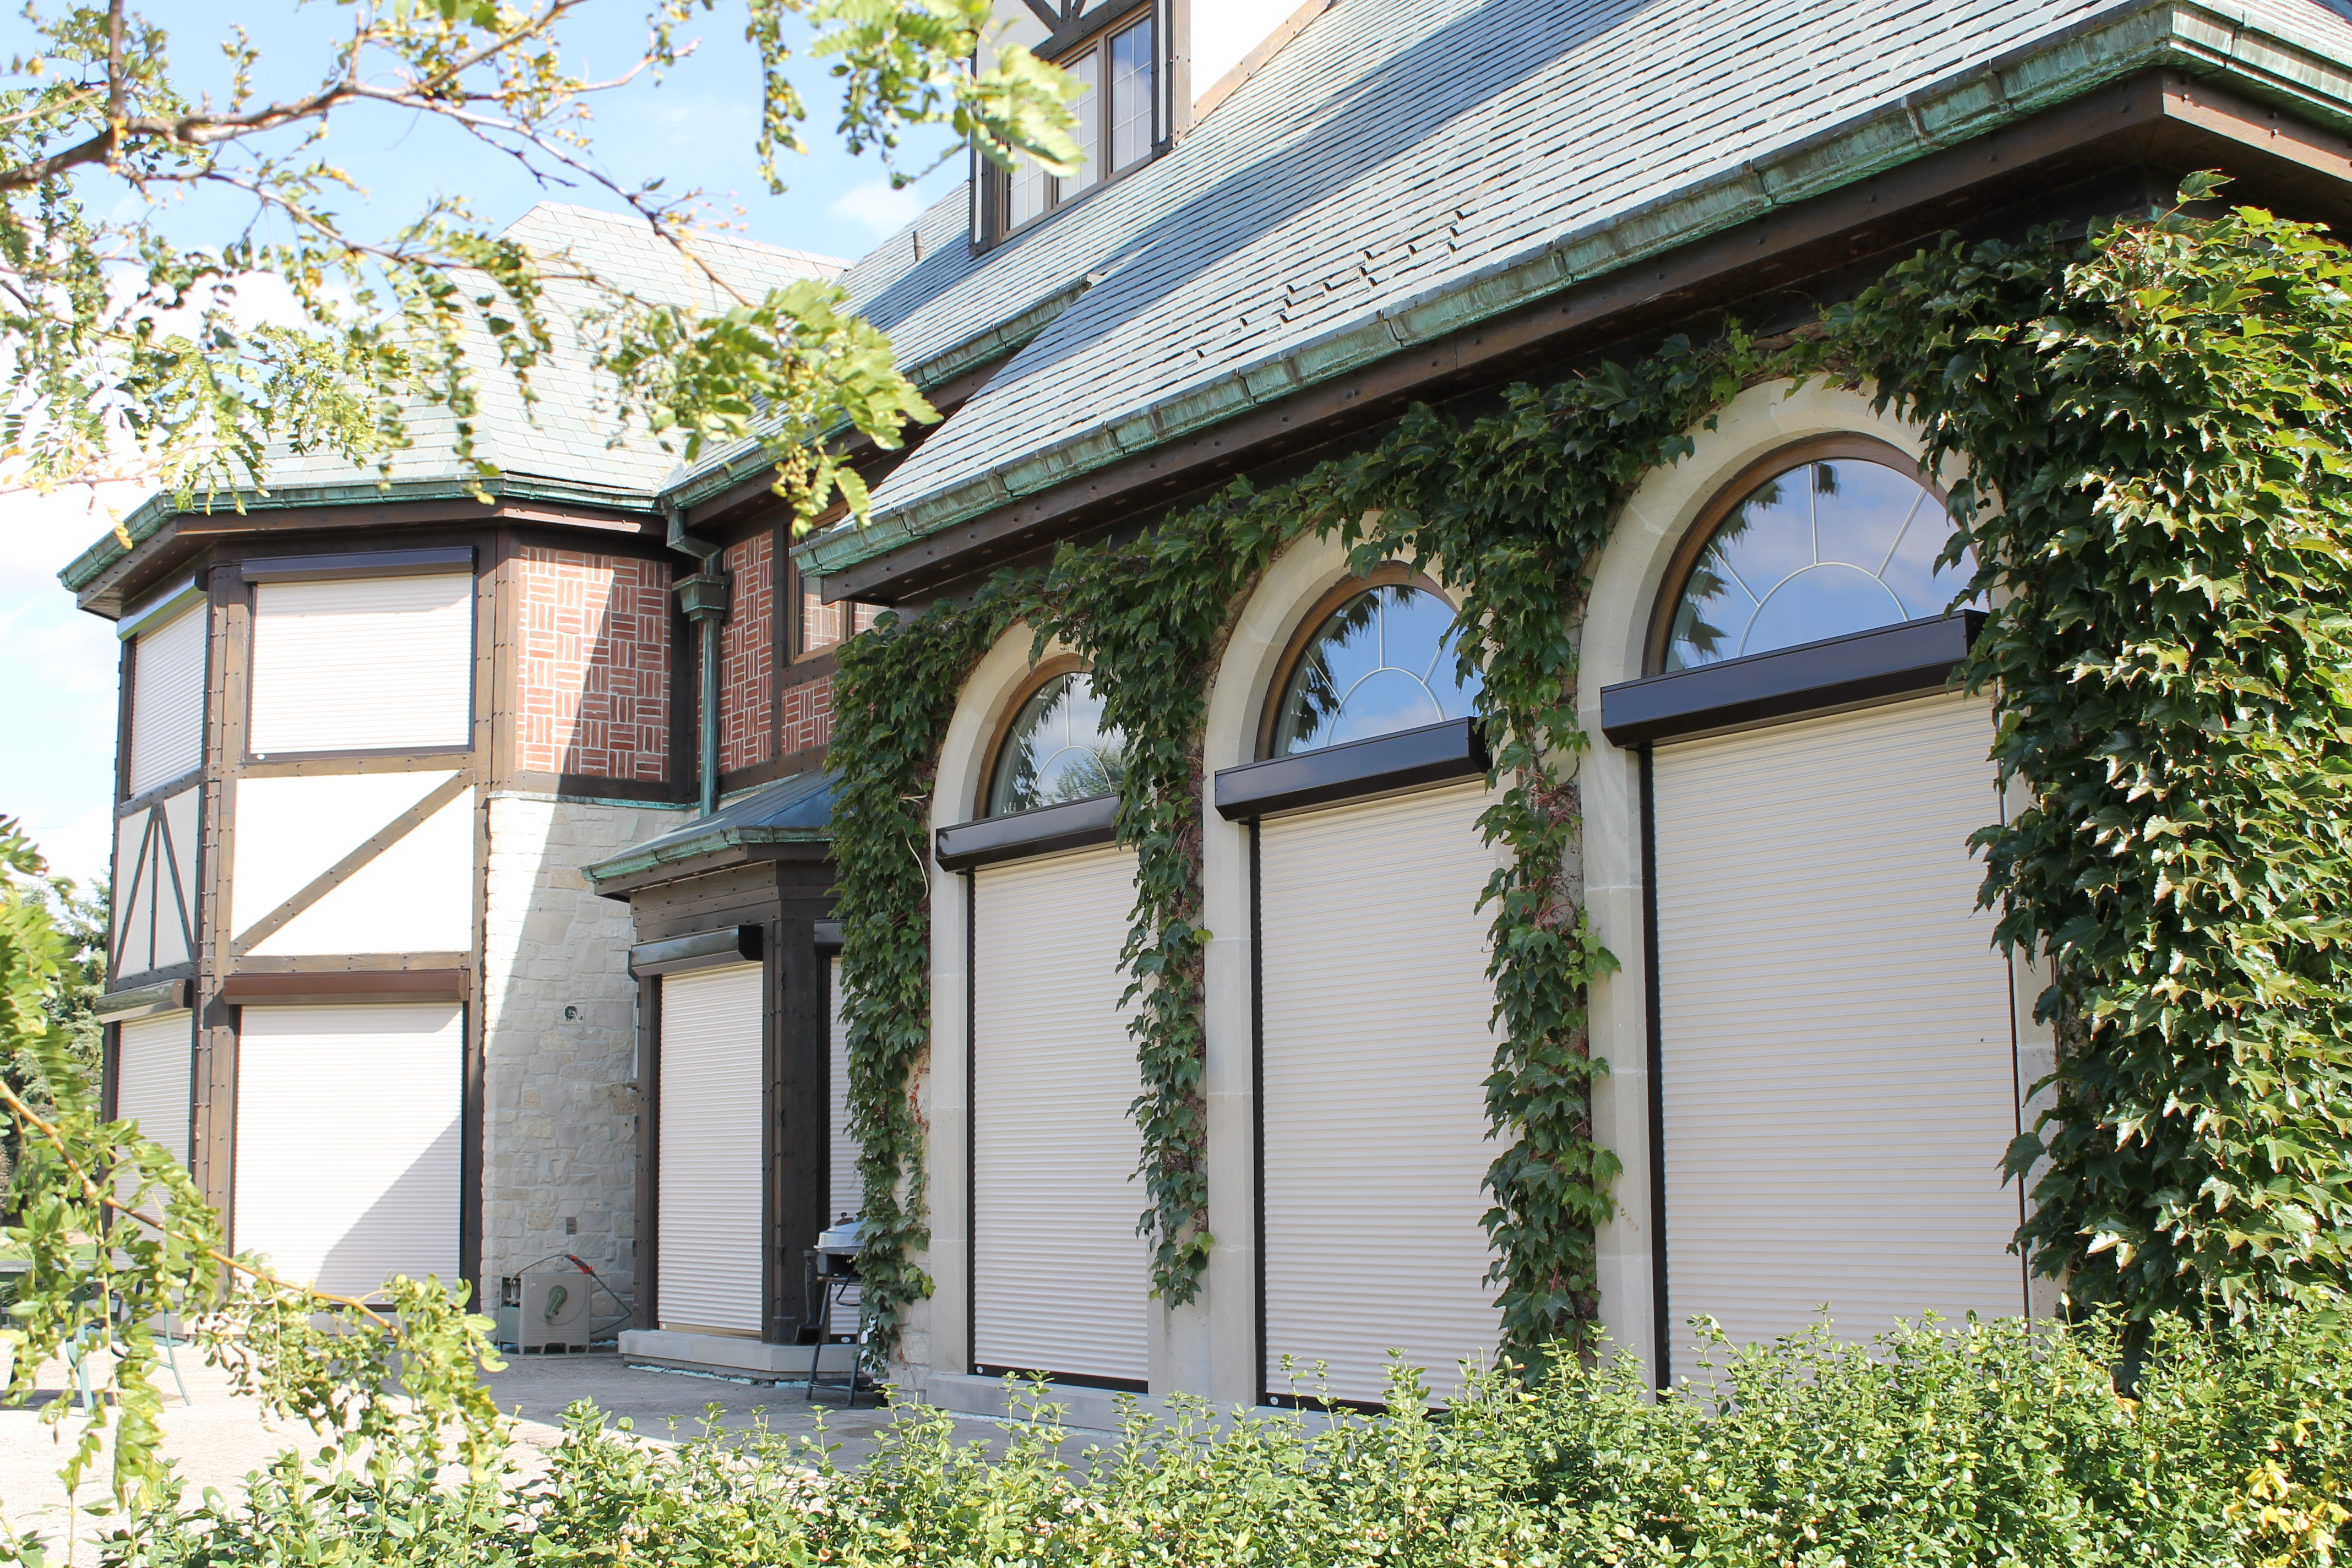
{"points": [[131, 360]]}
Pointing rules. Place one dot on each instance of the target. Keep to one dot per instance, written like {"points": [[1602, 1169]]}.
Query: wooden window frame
{"points": [[796, 637], [1393, 574], [1095, 39], [359, 565], [1853, 446]]}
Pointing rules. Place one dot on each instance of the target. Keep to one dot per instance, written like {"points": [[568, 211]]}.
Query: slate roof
{"points": [[564, 447], [570, 434], [795, 810], [1405, 167], [1401, 170]]}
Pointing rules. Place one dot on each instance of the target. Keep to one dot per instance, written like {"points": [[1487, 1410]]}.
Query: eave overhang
{"points": [[2135, 71], [788, 820], [164, 536]]}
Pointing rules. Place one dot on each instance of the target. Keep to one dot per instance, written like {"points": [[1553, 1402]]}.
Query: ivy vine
{"points": [[893, 696], [1150, 618], [2160, 410], [2158, 426]]}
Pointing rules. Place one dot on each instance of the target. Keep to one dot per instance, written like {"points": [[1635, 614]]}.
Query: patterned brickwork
{"points": [[593, 696], [747, 730], [808, 715]]}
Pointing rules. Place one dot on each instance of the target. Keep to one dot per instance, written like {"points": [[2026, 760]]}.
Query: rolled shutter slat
{"points": [[712, 1088], [1060, 1281], [152, 1079], [349, 1122], [848, 1193], [167, 700], [1376, 1052], [362, 664], [1838, 1058]]}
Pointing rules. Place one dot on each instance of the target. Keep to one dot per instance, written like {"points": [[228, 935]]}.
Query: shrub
{"points": [[1979, 1444]]}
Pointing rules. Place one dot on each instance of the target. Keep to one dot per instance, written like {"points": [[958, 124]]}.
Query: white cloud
{"points": [[40, 535], [876, 207]]}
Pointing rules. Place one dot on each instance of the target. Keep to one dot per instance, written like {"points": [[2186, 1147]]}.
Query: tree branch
{"points": [[94, 1193]]}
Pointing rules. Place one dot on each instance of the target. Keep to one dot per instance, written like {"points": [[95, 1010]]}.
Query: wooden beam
{"points": [[334, 876]]}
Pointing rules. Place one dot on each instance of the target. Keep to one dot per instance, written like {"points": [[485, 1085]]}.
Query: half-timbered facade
{"points": [[447, 836]]}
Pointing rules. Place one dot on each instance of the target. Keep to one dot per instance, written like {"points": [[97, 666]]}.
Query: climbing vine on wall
{"points": [[1510, 512], [893, 696], [2164, 416], [2161, 409], [1150, 617]]}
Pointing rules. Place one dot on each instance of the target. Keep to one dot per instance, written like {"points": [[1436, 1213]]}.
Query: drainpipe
{"points": [[703, 598]]}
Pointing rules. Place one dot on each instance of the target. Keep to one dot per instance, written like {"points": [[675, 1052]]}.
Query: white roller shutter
{"points": [[349, 1130], [1061, 1282], [362, 664], [848, 1192], [151, 1078], [712, 1088], [167, 700], [1377, 1048], [1838, 1079]]}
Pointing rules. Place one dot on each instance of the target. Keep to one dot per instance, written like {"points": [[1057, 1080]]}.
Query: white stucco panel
{"points": [[289, 831], [416, 896]]}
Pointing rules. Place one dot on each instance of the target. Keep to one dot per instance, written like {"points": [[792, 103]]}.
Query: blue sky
{"points": [[693, 130]]}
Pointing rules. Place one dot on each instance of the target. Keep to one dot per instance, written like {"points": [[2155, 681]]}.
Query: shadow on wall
{"points": [[411, 1227], [559, 1036]]}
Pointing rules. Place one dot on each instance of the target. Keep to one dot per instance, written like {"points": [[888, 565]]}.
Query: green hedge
{"points": [[1985, 1445]]}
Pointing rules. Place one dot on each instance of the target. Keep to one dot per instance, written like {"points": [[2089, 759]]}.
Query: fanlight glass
{"points": [[1059, 750], [1383, 661], [1827, 548]]}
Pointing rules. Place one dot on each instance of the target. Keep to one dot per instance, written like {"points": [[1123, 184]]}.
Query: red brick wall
{"points": [[747, 732], [593, 648], [808, 715]]}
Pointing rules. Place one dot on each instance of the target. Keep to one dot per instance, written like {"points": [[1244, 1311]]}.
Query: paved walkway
{"points": [[219, 1438]]}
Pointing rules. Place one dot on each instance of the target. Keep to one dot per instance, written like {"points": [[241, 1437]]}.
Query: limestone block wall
{"points": [[560, 1134]]}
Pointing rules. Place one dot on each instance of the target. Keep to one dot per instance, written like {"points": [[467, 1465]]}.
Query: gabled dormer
{"points": [[1149, 69]]}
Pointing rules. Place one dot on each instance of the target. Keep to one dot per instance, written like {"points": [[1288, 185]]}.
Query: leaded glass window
{"points": [[1383, 661], [1057, 749], [1825, 548]]}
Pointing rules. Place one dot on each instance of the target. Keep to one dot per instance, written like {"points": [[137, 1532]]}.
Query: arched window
{"points": [[1379, 661], [1056, 749], [1836, 543]]}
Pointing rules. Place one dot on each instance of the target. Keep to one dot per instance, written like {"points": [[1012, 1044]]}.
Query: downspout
{"points": [[703, 598]]}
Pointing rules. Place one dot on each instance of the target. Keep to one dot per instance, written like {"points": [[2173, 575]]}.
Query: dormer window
{"points": [[1118, 129]]}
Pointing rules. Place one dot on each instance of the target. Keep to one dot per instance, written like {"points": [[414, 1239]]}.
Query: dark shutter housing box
{"points": [[1016, 835], [703, 950], [1911, 660], [1362, 770], [359, 563], [344, 985], [142, 1001]]}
